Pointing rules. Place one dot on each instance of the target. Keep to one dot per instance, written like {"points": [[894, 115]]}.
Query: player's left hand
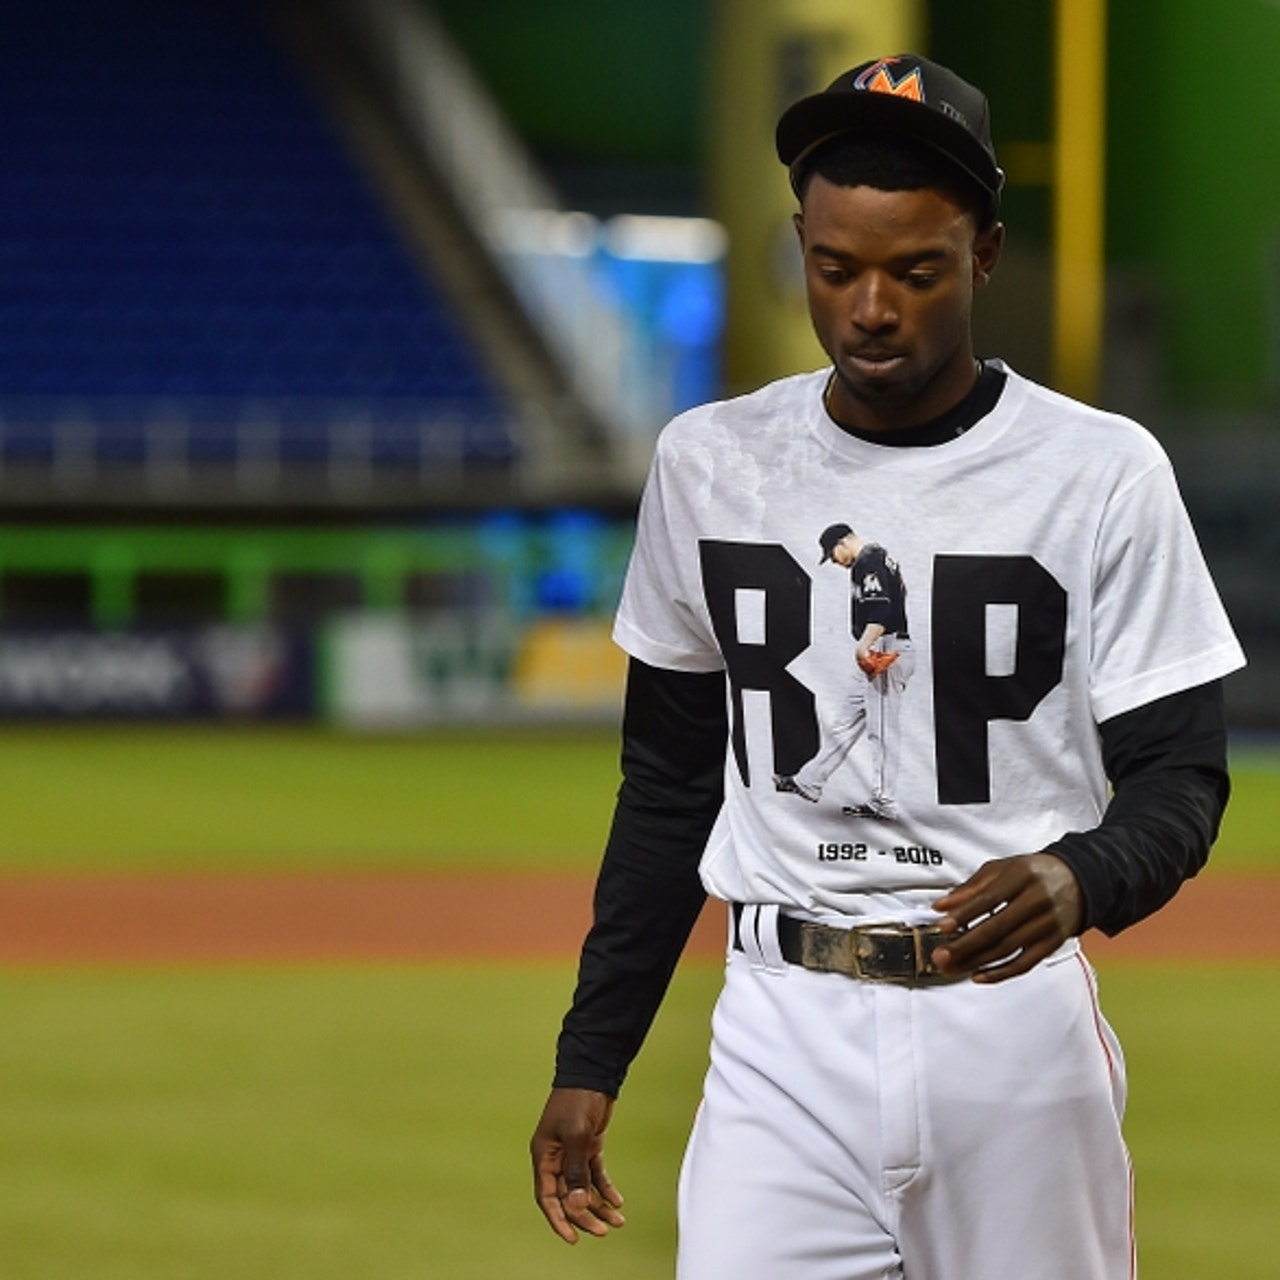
{"points": [[1021, 909]]}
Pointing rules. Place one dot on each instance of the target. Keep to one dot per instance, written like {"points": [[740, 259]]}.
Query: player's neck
{"points": [[981, 398], [900, 408]]}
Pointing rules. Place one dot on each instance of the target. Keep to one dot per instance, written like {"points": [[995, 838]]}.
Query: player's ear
{"points": [[986, 252], [797, 221]]}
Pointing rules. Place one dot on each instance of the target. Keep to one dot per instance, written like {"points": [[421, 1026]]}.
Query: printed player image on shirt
{"points": [[1036, 613], [878, 675]]}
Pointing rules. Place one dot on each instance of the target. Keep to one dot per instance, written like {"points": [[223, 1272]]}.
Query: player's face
{"points": [[845, 552], [890, 277]]}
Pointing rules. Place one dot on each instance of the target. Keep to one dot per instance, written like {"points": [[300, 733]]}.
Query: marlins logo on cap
{"points": [[878, 78]]}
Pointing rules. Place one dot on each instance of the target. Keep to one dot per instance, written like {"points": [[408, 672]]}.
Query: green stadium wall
{"points": [[1193, 172]]}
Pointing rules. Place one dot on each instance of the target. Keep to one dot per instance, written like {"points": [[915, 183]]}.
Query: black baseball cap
{"points": [[906, 95], [828, 538]]}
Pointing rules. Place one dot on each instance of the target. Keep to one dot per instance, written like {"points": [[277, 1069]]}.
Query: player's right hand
{"points": [[569, 1179]]}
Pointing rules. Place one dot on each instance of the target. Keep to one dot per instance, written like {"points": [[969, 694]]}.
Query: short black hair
{"points": [[889, 162]]}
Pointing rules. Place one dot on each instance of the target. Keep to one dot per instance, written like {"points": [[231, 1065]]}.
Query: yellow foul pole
{"points": [[1079, 196]]}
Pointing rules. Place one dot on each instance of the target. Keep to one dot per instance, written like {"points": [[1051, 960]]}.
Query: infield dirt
{"points": [[341, 917]]}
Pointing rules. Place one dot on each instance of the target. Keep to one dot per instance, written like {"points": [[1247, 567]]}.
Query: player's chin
{"points": [[882, 388]]}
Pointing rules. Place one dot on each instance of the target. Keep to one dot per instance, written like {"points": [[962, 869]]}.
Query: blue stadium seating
{"points": [[183, 238]]}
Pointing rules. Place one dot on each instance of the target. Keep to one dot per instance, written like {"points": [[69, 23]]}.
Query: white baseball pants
{"points": [[873, 706], [862, 1131]]}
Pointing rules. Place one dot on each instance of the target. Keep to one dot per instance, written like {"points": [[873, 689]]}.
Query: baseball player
{"points": [[909, 1073], [885, 662]]}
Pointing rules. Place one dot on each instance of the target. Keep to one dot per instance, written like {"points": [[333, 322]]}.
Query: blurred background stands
{"points": [[319, 315]]}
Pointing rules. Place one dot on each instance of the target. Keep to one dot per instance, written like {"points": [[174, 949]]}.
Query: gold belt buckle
{"points": [[863, 951], [927, 938], [855, 952]]}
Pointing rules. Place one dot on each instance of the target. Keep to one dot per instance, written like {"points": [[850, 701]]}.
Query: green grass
{"points": [[1250, 839], [372, 1123], [289, 1123], [1203, 1053], [147, 798]]}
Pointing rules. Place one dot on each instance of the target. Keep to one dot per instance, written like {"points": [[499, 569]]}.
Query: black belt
{"points": [[900, 953]]}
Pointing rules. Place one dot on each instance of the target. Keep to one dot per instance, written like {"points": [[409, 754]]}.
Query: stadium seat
{"points": [[185, 241]]}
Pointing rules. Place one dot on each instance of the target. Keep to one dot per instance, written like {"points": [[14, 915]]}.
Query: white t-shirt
{"points": [[1053, 581]]}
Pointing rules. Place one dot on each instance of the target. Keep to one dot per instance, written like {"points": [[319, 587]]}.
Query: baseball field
{"points": [[281, 1003]]}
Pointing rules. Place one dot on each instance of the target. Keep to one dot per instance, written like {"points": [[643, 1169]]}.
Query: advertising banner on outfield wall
{"points": [[406, 671], [236, 672]]}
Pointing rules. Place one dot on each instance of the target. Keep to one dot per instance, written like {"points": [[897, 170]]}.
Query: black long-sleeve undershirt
{"points": [[1166, 763], [648, 894]]}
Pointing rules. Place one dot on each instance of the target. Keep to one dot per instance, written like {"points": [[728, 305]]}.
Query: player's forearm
{"points": [[1168, 768], [1131, 865], [648, 894], [870, 634], [643, 915]]}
